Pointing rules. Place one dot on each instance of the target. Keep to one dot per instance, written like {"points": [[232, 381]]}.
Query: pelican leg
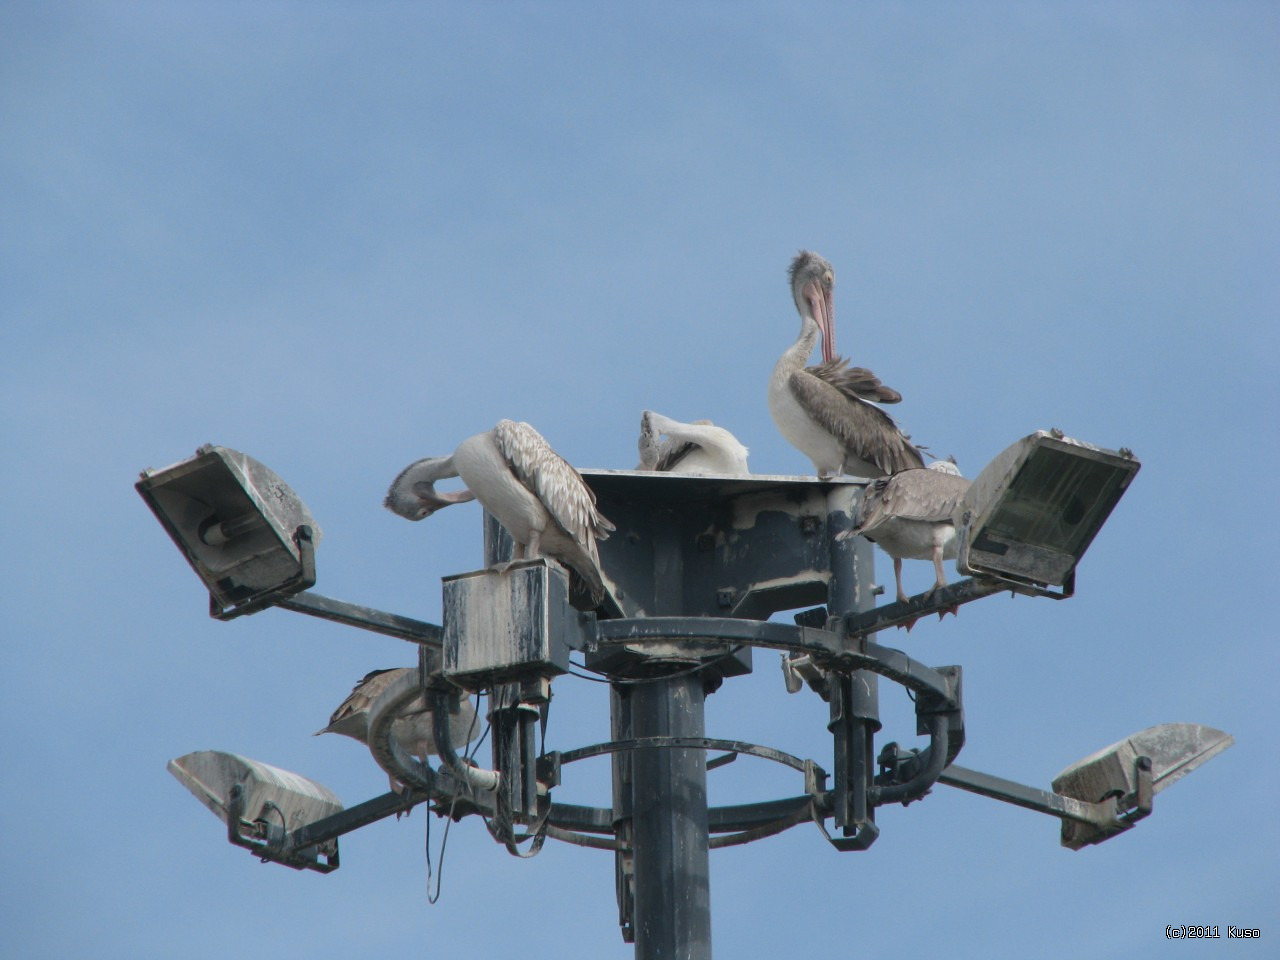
{"points": [[902, 594], [940, 582], [897, 576], [518, 552]]}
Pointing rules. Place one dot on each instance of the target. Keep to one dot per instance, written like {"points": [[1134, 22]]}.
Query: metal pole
{"points": [[855, 699], [669, 823]]}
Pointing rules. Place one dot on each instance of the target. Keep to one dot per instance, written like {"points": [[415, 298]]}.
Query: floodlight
{"points": [[1033, 511], [1133, 771], [261, 804], [248, 537]]}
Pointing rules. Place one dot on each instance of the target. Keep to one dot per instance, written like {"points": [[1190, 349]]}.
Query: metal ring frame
{"points": [[456, 783]]}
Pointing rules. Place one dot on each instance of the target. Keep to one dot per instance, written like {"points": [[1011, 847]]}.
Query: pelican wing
{"points": [[864, 429], [352, 715], [554, 481], [929, 496], [856, 383]]}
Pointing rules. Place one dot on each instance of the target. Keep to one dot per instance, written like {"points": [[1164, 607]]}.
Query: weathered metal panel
{"points": [[501, 626], [743, 547]]}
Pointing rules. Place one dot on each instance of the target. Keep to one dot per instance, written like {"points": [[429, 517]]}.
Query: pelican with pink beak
{"points": [[828, 412]]}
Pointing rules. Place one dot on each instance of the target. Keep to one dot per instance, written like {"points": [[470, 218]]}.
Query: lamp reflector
{"points": [[235, 521]]}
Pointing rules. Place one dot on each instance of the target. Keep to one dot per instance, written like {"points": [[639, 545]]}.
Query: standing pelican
{"points": [[824, 410], [535, 494], [911, 515], [412, 729], [698, 447]]}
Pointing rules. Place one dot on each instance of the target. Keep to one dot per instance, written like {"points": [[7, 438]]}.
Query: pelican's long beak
{"points": [[424, 500], [438, 500], [822, 306]]}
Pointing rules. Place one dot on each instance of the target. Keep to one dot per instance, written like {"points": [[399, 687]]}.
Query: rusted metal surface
{"points": [[507, 625]]}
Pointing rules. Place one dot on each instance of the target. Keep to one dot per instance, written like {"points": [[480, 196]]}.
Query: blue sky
{"points": [[342, 236]]}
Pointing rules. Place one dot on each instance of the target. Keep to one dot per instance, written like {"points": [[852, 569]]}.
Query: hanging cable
{"points": [[603, 677], [453, 804]]}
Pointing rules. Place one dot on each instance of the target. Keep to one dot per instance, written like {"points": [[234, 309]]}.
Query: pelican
{"points": [[824, 410], [698, 447], [911, 515], [535, 494], [412, 729]]}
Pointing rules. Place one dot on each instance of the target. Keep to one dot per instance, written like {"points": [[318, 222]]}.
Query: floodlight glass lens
{"points": [[1058, 500]]}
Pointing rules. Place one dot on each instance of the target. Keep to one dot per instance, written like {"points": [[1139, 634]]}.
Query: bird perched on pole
{"points": [[537, 496], [828, 411], [912, 516], [413, 728], [698, 447]]}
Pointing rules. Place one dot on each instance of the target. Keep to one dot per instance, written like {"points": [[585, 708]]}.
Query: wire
{"points": [[444, 843], [453, 804], [634, 681], [284, 825], [587, 676]]}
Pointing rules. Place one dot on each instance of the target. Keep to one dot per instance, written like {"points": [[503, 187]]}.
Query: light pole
{"points": [[694, 571]]}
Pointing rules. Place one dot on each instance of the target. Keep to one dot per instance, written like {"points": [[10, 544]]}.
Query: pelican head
{"points": [[812, 286], [413, 494]]}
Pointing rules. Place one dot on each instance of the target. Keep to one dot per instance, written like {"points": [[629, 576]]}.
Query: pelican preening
{"points": [[698, 447], [413, 729], [824, 410], [912, 516], [535, 494]]}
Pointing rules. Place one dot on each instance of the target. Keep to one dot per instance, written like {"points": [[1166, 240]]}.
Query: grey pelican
{"points": [[535, 494], [412, 729], [698, 447], [911, 516], [824, 410]]}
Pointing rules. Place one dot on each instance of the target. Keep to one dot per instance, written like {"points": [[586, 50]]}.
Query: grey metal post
{"points": [[669, 823], [669, 787], [855, 699]]}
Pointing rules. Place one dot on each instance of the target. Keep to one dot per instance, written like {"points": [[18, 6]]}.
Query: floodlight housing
{"points": [[1170, 752], [508, 626], [1033, 511], [261, 805], [246, 534]]}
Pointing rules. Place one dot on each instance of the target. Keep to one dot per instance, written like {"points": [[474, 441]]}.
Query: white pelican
{"points": [[911, 516], [824, 410], [412, 729], [698, 447], [535, 494]]}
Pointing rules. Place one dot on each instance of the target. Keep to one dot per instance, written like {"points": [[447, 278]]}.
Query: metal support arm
{"points": [[366, 618], [921, 605]]}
